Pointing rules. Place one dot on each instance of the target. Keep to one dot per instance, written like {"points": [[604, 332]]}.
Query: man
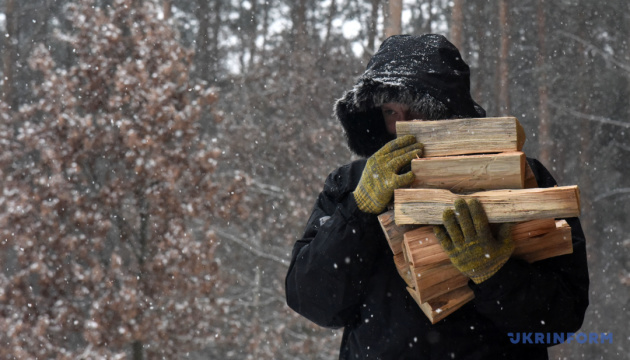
{"points": [[342, 273]]}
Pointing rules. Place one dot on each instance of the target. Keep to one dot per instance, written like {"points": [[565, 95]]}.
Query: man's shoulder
{"points": [[345, 178], [351, 168]]}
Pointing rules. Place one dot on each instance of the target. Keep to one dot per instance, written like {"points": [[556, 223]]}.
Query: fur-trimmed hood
{"points": [[404, 70]]}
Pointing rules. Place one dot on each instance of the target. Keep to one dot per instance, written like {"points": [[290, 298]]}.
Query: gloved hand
{"points": [[380, 177], [467, 239]]}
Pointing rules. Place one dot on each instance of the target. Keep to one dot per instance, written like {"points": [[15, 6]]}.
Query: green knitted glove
{"points": [[467, 239], [380, 177]]}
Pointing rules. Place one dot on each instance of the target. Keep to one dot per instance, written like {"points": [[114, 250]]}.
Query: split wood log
{"points": [[433, 274], [439, 280], [440, 307], [424, 235], [425, 206], [530, 178], [554, 243], [404, 271], [469, 173], [465, 136], [393, 233], [529, 229]]}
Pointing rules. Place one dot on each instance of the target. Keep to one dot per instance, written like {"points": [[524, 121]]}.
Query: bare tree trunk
{"points": [[457, 24], [253, 33], [503, 100], [202, 50], [8, 46], [167, 9], [372, 27], [214, 39], [544, 133], [298, 17], [586, 134], [481, 91], [256, 306], [393, 20], [265, 29], [242, 35], [9, 54], [429, 24], [331, 13], [137, 351]]}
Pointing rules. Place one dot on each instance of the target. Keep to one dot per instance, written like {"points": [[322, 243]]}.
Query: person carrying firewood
{"points": [[342, 273]]}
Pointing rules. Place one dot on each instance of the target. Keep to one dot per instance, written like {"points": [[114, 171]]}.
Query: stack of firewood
{"points": [[471, 158]]}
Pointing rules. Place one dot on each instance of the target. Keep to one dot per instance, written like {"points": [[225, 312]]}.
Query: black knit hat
{"points": [[404, 70]]}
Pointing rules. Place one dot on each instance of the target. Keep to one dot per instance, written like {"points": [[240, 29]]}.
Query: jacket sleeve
{"points": [[331, 263], [546, 296]]}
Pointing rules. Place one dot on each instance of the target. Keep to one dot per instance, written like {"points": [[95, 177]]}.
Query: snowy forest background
{"points": [[160, 157]]}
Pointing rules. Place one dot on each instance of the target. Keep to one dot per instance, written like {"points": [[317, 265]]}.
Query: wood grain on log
{"points": [[425, 206], [470, 173], [465, 136]]}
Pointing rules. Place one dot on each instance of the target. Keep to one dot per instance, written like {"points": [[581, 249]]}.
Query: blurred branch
{"points": [[622, 146], [249, 247], [612, 193], [268, 189], [600, 119], [590, 47]]}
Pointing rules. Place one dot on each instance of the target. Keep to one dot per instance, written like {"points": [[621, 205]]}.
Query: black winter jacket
{"points": [[342, 274]]}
